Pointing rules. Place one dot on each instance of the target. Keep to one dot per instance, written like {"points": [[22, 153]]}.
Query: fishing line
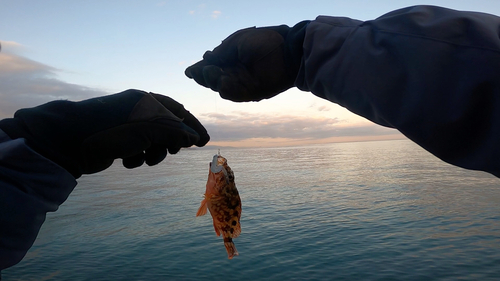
{"points": [[216, 121]]}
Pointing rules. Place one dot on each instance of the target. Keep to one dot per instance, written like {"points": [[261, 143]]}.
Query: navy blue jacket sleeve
{"points": [[430, 72], [30, 186]]}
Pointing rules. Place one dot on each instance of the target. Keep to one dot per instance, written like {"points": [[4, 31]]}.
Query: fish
{"points": [[223, 201]]}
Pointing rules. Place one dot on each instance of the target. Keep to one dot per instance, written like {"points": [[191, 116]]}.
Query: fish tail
{"points": [[230, 248], [203, 208]]}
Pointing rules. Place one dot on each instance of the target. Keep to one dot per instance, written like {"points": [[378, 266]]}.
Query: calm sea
{"points": [[350, 211]]}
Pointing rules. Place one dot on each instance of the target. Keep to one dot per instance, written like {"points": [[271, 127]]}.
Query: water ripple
{"points": [[337, 212]]}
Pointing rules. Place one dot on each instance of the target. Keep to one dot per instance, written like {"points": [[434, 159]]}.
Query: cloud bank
{"points": [[27, 83], [245, 129]]}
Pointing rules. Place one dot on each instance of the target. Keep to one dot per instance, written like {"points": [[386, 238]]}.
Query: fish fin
{"points": [[203, 208], [217, 227], [211, 186], [231, 249]]}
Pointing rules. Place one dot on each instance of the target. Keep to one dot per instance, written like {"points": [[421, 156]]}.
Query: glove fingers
{"points": [[229, 87], [173, 150], [155, 147], [155, 154], [196, 72], [189, 120], [233, 83], [171, 137], [130, 141], [212, 75], [133, 161]]}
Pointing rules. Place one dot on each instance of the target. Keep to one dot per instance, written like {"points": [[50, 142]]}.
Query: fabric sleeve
{"points": [[30, 186], [430, 72]]}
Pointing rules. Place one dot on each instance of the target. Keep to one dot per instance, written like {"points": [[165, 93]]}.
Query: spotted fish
{"points": [[223, 202]]}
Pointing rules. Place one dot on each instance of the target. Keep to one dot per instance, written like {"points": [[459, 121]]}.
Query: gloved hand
{"points": [[252, 64], [85, 137]]}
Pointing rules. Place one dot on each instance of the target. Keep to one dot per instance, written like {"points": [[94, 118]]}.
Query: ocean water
{"points": [[350, 211]]}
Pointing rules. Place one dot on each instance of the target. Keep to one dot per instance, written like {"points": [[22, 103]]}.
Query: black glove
{"points": [[253, 63], [85, 137]]}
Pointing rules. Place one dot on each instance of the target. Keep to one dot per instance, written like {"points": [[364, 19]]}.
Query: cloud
{"points": [[6, 45], [323, 108], [241, 126], [203, 11], [216, 14], [27, 83]]}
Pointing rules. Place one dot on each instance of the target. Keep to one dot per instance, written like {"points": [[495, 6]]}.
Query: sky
{"points": [[57, 49]]}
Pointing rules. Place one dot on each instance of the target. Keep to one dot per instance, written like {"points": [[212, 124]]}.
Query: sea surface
{"points": [[383, 210]]}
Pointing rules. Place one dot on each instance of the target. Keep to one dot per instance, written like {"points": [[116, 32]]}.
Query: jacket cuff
{"points": [[30, 186]]}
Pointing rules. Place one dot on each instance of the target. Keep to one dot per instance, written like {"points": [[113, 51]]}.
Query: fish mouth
{"points": [[214, 168]]}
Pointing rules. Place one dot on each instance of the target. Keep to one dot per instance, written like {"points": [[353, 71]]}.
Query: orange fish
{"points": [[223, 202]]}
